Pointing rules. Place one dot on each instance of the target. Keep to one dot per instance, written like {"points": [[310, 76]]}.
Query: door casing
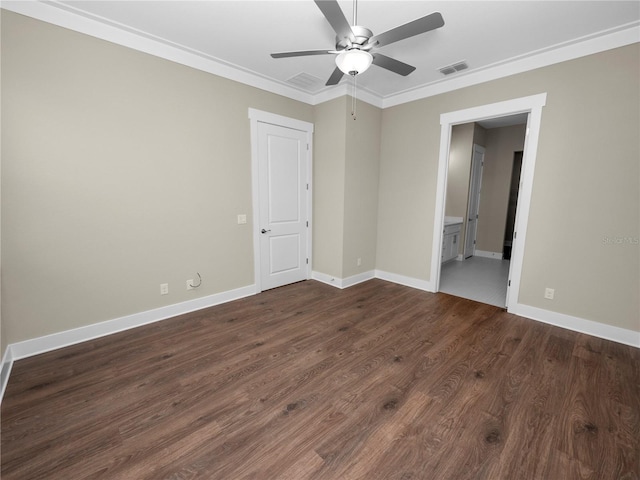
{"points": [[533, 106], [259, 116]]}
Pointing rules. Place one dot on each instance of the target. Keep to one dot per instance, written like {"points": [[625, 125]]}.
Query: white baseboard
{"points": [[328, 279], [581, 325], [482, 253], [359, 278], [35, 346], [343, 282], [425, 285], [66, 338]]}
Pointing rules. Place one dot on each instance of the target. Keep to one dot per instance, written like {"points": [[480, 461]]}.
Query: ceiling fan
{"points": [[354, 43]]}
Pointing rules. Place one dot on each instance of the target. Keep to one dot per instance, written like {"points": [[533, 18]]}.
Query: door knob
{"points": [[264, 231]]}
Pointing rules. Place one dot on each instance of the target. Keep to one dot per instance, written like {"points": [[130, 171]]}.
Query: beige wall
{"points": [[501, 143], [3, 338], [121, 171], [361, 189], [459, 171], [585, 190], [346, 160], [463, 137], [329, 186]]}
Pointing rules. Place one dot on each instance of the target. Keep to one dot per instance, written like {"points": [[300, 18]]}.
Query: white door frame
{"points": [[532, 105], [259, 116]]}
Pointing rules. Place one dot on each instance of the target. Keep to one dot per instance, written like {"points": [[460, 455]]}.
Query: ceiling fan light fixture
{"points": [[354, 62]]}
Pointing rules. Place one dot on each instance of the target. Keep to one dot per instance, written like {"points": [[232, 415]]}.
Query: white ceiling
{"points": [[242, 34]]}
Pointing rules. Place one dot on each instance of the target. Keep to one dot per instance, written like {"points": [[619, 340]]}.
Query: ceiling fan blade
{"points": [[302, 53], [335, 77], [421, 25], [396, 66], [333, 13]]}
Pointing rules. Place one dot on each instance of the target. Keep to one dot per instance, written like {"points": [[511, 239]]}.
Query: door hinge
{"points": [[509, 282], [307, 261], [307, 146], [307, 186], [474, 242], [307, 224], [515, 234]]}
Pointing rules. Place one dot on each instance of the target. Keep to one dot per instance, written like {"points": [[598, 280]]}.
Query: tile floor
{"points": [[477, 278]]}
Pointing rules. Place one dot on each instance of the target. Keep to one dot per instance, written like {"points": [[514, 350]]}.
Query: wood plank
{"points": [[378, 381]]}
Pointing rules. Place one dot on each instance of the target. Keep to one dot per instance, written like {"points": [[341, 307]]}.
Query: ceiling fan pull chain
{"points": [[353, 98]]}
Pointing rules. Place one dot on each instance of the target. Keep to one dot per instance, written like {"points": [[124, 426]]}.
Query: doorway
{"points": [[481, 272], [281, 191], [532, 106]]}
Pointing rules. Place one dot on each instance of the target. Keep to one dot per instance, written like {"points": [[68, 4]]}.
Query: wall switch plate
{"points": [[359, 262], [242, 219], [549, 293], [164, 288]]}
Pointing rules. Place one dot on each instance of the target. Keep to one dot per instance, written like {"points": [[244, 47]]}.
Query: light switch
{"points": [[242, 219]]}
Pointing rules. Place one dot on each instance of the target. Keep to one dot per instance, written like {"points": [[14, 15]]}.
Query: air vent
{"points": [[456, 67], [306, 82]]}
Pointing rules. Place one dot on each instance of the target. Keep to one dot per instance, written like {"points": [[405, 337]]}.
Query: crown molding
{"points": [[68, 17], [98, 27], [581, 47]]}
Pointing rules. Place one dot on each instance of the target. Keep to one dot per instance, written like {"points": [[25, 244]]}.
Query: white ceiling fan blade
{"points": [[421, 25], [303, 53], [333, 13], [396, 66]]}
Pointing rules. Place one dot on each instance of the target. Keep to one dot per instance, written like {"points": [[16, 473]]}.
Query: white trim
{"points": [[342, 283], [7, 365], [259, 116], [533, 105], [69, 17], [596, 43], [581, 325], [482, 253], [358, 278], [328, 279], [35, 346], [280, 120], [425, 285]]}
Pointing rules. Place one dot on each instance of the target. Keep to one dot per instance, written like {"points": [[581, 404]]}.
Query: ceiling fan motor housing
{"points": [[362, 36]]}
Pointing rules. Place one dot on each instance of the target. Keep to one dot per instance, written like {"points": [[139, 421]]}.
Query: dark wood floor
{"points": [[378, 381]]}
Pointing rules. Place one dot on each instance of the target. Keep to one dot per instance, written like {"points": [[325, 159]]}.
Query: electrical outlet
{"points": [[164, 289], [190, 284], [242, 219], [549, 293]]}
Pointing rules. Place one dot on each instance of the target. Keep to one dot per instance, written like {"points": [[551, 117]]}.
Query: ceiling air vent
{"points": [[306, 82], [456, 67]]}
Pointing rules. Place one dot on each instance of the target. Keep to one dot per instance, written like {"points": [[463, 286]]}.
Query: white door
{"points": [[477, 160], [282, 222]]}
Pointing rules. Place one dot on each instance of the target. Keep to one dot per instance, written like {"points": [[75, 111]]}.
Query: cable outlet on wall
{"points": [[190, 284], [164, 289], [549, 293]]}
